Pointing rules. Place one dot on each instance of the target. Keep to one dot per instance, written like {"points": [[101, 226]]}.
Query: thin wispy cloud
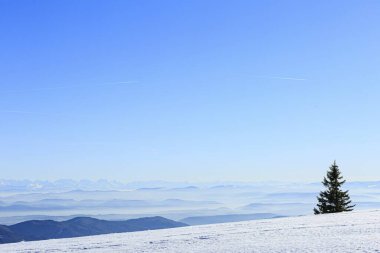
{"points": [[63, 87], [291, 78], [25, 112]]}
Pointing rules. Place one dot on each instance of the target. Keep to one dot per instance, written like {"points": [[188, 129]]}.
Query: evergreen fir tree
{"points": [[333, 199]]}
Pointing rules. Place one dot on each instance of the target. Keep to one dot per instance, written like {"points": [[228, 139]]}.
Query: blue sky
{"points": [[189, 90]]}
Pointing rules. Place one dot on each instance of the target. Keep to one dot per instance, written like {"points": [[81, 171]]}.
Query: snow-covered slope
{"points": [[345, 232]]}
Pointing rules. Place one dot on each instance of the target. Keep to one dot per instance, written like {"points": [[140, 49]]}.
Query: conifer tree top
{"points": [[333, 199]]}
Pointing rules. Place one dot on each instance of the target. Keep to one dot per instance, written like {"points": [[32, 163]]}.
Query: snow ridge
{"points": [[338, 233]]}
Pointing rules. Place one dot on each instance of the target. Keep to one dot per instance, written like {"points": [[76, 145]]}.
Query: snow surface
{"points": [[344, 232]]}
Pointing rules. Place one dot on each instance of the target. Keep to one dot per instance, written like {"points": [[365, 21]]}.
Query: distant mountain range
{"points": [[82, 226], [105, 185]]}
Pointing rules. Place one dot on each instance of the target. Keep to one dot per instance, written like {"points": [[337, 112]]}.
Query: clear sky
{"points": [[189, 90]]}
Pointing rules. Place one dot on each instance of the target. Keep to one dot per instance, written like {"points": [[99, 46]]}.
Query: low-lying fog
{"points": [[63, 199]]}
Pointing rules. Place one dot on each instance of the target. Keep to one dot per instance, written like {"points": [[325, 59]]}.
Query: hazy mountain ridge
{"points": [[80, 226], [71, 204], [215, 219]]}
